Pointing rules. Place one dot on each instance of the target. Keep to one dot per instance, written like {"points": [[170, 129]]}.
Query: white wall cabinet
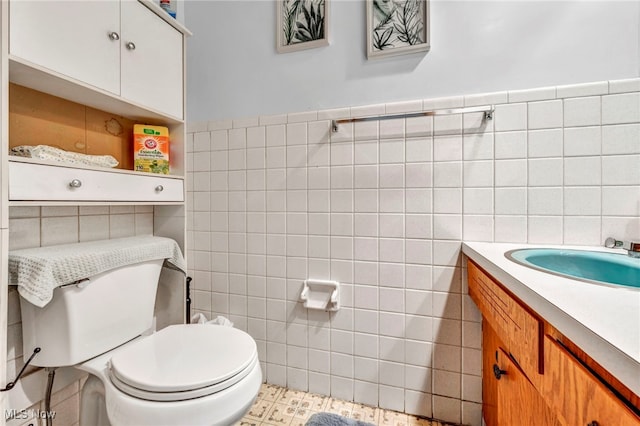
{"points": [[78, 51], [151, 60], [71, 38], [4, 209], [123, 48]]}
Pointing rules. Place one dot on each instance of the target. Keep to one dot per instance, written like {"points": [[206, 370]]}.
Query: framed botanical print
{"points": [[302, 24], [397, 27]]}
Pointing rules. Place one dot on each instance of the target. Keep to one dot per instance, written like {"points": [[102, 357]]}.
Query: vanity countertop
{"points": [[602, 320]]}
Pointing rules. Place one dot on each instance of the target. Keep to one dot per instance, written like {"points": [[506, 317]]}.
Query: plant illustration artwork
{"points": [[302, 24], [397, 27]]}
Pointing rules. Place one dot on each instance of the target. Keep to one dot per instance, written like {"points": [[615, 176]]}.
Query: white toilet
{"points": [[182, 374]]}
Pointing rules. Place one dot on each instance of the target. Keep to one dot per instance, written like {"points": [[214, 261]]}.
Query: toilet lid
{"points": [[180, 358]]}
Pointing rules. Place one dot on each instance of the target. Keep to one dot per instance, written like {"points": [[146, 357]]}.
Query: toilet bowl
{"points": [[183, 374], [186, 374]]}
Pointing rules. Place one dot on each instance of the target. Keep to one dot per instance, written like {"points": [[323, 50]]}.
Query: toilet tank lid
{"points": [[37, 271]]}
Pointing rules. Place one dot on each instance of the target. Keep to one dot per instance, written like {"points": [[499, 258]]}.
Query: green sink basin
{"points": [[592, 266]]}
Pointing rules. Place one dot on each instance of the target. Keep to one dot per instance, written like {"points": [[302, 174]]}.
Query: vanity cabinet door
{"points": [[152, 67], [519, 402], [490, 348], [577, 395], [508, 397], [73, 38]]}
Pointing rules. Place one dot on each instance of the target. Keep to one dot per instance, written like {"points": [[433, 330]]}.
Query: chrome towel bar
{"points": [[487, 109]]}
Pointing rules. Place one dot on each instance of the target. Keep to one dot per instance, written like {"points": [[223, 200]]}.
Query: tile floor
{"points": [[277, 406]]}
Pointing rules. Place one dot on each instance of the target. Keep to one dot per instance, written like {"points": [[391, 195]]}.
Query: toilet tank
{"points": [[92, 317]]}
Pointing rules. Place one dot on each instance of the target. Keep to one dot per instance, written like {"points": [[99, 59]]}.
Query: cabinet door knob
{"points": [[498, 372], [114, 36], [592, 423], [159, 188], [131, 45], [76, 183]]}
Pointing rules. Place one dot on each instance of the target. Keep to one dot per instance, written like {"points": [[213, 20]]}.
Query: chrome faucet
{"points": [[633, 249]]}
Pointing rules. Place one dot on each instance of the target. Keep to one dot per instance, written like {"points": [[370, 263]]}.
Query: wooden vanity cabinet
{"points": [[560, 390]]}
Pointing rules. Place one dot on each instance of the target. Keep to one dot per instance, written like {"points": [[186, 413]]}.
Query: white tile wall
{"points": [[42, 226], [382, 207]]}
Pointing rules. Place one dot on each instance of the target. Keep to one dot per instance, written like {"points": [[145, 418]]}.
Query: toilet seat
{"points": [[182, 362]]}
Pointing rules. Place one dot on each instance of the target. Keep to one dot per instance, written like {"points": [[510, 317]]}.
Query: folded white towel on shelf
{"points": [[38, 271], [50, 153]]}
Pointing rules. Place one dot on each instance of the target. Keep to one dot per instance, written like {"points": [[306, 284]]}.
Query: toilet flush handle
{"points": [[11, 384]]}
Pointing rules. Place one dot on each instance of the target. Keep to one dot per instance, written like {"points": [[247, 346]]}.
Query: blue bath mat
{"points": [[330, 419]]}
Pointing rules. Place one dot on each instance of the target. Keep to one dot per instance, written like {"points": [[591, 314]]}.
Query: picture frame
{"points": [[397, 27], [302, 24]]}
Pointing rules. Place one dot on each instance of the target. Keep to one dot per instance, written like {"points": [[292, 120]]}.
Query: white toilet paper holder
{"points": [[321, 294]]}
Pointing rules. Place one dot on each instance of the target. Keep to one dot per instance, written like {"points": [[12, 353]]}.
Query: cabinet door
{"points": [[579, 397], [152, 64], [69, 37], [518, 401], [508, 396], [490, 348]]}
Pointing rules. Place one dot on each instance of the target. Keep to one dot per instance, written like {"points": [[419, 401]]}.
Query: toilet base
{"points": [[103, 404], [93, 410]]}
